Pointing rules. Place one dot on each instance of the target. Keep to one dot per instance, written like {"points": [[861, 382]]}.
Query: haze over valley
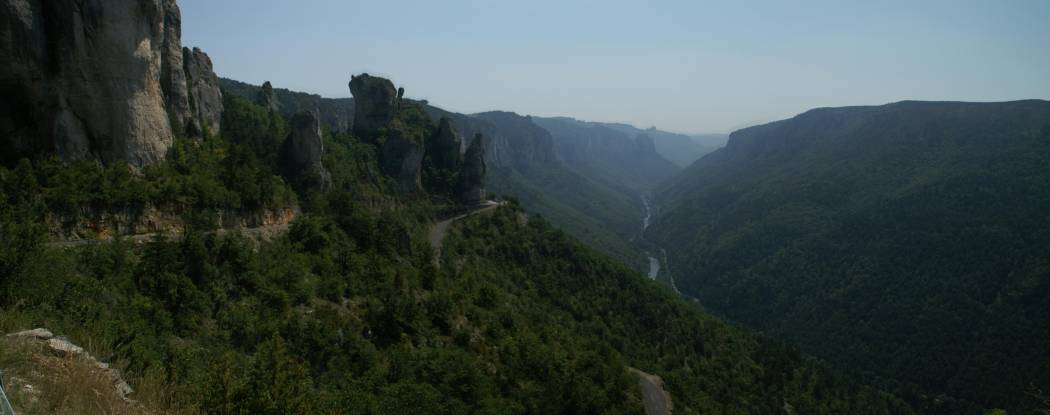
{"points": [[545, 208]]}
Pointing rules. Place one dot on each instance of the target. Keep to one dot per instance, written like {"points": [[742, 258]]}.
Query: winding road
{"points": [[656, 400], [439, 230]]}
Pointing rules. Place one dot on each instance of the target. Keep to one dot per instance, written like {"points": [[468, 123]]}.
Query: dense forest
{"points": [[349, 312], [908, 242]]}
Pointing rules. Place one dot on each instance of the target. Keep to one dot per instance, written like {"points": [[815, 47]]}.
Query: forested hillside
{"points": [[908, 241], [349, 312]]}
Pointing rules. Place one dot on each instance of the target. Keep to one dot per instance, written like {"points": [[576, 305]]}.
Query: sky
{"points": [[685, 66]]}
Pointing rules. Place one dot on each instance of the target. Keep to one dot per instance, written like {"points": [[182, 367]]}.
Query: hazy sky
{"points": [[688, 66]]}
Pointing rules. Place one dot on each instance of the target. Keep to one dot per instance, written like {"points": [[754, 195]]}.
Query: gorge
{"points": [[179, 243]]}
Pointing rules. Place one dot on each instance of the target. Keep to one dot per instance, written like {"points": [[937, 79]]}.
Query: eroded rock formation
{"points": [[399, 130], [173, 73], [401, 156], [305, 151], [472, 175], [205, 96], [99, 79], [267, 98], [444, 148], [375, 104]]}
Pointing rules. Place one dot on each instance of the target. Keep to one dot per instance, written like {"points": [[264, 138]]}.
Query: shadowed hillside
{"points": [[908, 241]]}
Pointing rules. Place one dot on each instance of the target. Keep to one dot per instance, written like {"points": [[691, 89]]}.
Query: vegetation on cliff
{"points": [[347, 311]]}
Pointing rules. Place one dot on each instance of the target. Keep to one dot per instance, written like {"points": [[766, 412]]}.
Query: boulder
{"points": [[471, 187], [98, 79], [375, 105], [305, 146]]}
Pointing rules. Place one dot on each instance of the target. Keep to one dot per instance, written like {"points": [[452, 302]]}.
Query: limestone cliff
{"points": [[516, 140], [99, 79]]}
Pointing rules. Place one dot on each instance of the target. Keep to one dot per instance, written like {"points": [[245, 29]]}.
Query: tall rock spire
{"points": [[472, 175]]}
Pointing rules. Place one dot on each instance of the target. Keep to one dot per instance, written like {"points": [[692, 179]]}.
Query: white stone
{"points": [[65, 348], [41, 334]]}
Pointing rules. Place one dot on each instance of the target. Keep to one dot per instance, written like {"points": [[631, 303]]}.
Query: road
{"points": [[656, 400], [439, 230]]}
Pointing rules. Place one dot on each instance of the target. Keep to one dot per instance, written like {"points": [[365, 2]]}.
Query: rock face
{"points": [[645, 144], [205, 96], [472, 176], [375, 104], [444, 148], [399, 131], [98, 79], [401, 156], [305, 150], [267, 98], [173, 73], [517, 140]]}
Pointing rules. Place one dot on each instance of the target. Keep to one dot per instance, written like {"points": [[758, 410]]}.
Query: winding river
{"points": [[654, 263]]}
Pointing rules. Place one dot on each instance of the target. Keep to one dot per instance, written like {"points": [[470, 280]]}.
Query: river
{"points": [[654, 263]]}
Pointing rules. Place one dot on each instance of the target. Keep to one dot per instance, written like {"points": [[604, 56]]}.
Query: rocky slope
{"points": [[100, 79], [51, 375]]}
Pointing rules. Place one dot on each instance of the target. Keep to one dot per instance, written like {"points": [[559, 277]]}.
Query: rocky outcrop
{"points": [[516, 141], [471, 187], [444, 149], [399, 128], [267, 99], [401, 156], [173, 73], [98, 79], [305, 149], [205, 96], [645, 144], [376, 103], [62, 348]]}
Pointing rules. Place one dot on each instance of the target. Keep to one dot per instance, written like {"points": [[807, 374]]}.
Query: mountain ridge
{"points": [[893, 231]]}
